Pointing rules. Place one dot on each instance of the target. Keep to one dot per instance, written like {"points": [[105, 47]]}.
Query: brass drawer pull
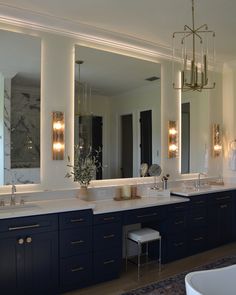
{"points": [[109, 261], [178, 244], [77, 220], [77, 269], [109, 236], [23, 227], [198, 218], [179, 222], [223, 206], [147, 215], [198, 239], [77, 242], [223, 198], [108, 218], [199, 202], [179, 207]]}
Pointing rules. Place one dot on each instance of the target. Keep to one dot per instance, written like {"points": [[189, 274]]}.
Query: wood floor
{"points": [[128, 280]]}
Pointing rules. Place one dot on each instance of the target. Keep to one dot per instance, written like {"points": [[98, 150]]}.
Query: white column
{"points": [[57, 94], [169, 111]]}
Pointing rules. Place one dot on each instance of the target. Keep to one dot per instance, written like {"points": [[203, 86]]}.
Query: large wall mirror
{"points": [[194, 132], [118, 109], [20, 63]]}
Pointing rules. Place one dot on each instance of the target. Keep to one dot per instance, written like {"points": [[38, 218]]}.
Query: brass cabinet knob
{"points": [[28, 240], [20, 241]]}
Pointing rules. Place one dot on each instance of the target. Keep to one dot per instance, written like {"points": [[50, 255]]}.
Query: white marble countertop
{"points": [[107, 206], [45, 207], [73, 204], [192, 191]]}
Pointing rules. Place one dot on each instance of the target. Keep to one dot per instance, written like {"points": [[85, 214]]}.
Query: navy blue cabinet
{"points": [[174, 232], [29, 255], [197, 224], [220, 212], [75, 244], [107, 246]]}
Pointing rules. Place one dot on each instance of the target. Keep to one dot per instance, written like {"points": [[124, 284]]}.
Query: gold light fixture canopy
{"points": [[195, 48]]}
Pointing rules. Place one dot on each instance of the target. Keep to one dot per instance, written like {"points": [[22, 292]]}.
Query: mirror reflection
{"points": [[194, 131], [117, 109], [19, 108]]}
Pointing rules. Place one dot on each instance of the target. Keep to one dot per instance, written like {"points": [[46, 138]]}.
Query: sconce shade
{"points": [[58, 134], [172, 139], [217, 143]]}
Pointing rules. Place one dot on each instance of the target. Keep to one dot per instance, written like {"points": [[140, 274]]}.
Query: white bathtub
{"points": [[221, 281]]}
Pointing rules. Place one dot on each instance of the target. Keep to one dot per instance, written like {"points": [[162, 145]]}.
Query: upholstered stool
{"points": [[140, 237]]}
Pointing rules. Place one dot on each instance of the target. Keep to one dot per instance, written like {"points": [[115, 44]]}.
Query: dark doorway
{"points": [[146, 137], [97, 142], [185, 138], [127, 145]]}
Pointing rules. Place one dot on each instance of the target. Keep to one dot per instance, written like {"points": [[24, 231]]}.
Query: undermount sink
{"points": [[9, 207], [192, 190]]}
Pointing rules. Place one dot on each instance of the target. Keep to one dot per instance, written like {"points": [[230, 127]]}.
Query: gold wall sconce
{"points": [[58, 135], [172, 139], [217, 142]]}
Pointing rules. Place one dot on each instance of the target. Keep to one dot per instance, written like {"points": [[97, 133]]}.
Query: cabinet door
{"points": [[41, 263], [220, 223], [11, 264]]}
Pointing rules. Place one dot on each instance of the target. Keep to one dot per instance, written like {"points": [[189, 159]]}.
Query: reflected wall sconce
{"points": [[58, 135], [217, 142], [172, 139]]}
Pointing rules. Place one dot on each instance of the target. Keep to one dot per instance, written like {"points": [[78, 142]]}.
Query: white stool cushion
{"points": [[144, 235]]}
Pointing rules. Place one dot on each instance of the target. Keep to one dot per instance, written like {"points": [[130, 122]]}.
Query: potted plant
{"points": [[84, 168]]}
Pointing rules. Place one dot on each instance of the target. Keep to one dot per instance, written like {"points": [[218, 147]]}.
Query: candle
{"points": [[126, 191]]}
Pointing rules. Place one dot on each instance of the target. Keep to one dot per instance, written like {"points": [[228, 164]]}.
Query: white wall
{"points": [[133, 102], [229, 114], [199, 129]]}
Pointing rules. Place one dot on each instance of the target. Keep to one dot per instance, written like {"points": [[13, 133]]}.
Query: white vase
{"points": [[83, 193]]}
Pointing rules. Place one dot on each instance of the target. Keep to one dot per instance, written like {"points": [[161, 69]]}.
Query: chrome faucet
{"points": [[198, 182], [13, 199]]}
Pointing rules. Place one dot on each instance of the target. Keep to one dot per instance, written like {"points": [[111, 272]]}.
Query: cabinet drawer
{"points": [[198, 201], [177, 222], [221, 197], [198, 217], [176, 247], [107, 265], [107, 236], [75, 241], [39, 223], [144, 215], [197, 241], [107, 218], [178, 207], [75, 219], [75, 272]]}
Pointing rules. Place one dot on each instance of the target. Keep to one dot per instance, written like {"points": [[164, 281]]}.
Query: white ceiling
{"points": [[112, 74], [149, 20]]}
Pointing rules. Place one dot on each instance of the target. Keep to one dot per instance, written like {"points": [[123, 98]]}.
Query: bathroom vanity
{"points": [[62, 245]]}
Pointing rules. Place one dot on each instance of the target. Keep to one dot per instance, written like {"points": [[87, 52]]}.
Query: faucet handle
{"points": [[22, 202]]}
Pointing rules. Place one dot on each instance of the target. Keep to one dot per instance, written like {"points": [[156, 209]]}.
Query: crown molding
{"points": [[82, 32]]}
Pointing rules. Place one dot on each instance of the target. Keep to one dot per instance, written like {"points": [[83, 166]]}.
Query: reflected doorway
{"points": [[146, 137], [127, 146], [185, 138]]}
